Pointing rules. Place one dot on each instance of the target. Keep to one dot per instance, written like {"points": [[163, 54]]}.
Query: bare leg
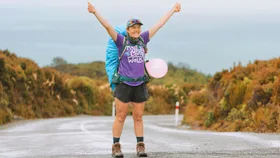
{"points": [[121, 111], [138, 109]]}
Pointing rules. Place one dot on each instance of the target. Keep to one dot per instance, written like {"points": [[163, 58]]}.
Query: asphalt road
{"points": [[90, 137]]}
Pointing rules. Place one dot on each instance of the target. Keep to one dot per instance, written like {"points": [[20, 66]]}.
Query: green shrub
{"points": [[209, 119]]}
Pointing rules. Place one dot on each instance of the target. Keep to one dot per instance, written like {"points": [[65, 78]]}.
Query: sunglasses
{"points": [[133, 21]]}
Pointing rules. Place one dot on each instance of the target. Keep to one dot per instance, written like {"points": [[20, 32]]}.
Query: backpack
{"points": [[113, 60]]}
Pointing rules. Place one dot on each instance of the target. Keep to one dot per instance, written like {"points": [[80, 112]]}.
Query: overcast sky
{"points": [[209, 35]]}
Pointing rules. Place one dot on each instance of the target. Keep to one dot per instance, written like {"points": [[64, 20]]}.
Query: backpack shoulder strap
{"points": [[145, 48], [123, 48], [142, 41]]}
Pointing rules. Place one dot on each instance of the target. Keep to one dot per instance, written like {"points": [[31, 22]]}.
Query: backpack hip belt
{"points": [[119, 79]]}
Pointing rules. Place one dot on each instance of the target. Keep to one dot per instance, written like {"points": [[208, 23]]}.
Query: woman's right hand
{"points": [[104, 23], [91, 8]]}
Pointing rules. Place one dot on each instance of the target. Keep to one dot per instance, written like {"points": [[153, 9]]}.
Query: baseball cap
{"points": [[132, 22]]}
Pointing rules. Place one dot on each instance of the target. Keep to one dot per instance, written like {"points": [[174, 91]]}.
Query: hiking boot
{"points": [[116, 150], [140, 149]]}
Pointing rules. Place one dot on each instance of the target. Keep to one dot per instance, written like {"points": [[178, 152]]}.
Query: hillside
{"points": [[28, 91], [244, 98]]}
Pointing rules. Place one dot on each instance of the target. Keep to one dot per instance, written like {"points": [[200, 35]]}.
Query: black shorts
{"points": [[126, 93]]}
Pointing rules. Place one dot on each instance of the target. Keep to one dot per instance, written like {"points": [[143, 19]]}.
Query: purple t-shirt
{"points": [[133, 59]]}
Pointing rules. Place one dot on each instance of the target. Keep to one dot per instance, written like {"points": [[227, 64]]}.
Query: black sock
{"points": [[140, 139], [116, 140]]}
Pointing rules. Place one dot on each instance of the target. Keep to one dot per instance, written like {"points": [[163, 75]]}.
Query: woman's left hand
{"points": [[177, 7]]}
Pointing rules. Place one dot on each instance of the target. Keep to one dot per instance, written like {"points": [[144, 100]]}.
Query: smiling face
{"points": [[134, 31]]}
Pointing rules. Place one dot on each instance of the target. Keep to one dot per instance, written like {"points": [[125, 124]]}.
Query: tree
{"points": [[58, 61]]}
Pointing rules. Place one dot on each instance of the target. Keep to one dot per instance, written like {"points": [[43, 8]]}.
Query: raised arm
{"points": [[111, 31], [164, 19]]}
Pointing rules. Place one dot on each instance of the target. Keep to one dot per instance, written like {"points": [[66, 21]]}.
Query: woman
{"points": [[132, 66]]}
